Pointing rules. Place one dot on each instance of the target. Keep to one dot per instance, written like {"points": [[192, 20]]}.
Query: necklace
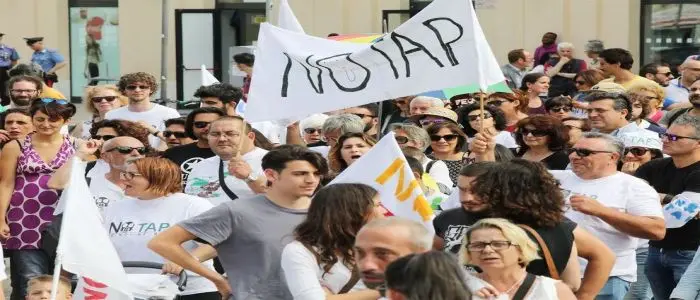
{"points": [[516, 284]]}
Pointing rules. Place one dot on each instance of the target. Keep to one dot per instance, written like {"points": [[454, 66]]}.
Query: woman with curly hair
{"points": [[525, 193], [543, 139], [494, 122], [98, 100], [350, 147], [321, 257]]}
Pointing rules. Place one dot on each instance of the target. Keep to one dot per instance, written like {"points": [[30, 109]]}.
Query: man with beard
{"points": [[36, 71], [369, 113], [694, 110], [382, 241], [657, 72], [23, 89], [678, 90]]}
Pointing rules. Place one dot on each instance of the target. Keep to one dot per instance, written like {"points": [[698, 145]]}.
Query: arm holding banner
{"points": [[484, 147], [294, 135]]}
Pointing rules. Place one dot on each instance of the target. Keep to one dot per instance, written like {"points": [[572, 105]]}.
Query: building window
{"points": [[670, 31]]}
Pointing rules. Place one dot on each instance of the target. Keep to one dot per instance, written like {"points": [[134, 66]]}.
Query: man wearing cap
{"points": [[435, 115], [610, 109], [669, 258], [8, 59], [49, 59], [678, 90]]}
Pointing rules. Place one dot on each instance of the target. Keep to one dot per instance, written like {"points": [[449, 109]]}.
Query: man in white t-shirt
{"points": [[237, 161], [139, 87], [616, 207], [116, 152]]}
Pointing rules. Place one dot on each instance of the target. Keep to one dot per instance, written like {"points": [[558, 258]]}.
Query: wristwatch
{"points": [[250, 178]]}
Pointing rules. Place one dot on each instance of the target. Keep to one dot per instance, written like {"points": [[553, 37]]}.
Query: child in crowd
{"points": [[432, 194], [39, 288]]}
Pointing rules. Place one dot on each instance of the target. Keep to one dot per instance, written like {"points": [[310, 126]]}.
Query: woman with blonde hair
{"points": [[651, 95], [502, 250], [98, 101]]}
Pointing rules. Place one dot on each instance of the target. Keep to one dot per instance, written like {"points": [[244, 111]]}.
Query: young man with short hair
{"points": [[616, 64], [250, 233], [174, 132], [220, 95], [519, 61]]}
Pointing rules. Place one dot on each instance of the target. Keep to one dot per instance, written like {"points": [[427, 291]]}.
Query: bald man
{"points": [[115, 152]]}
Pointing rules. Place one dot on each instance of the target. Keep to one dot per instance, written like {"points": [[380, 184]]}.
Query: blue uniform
{"points": [[47, 59], [7, 55]]}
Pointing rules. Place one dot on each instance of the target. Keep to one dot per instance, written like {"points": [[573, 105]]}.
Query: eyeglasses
{"points": [[579, 82], [667, 74], [473, 118], [312, 130], [133, 87], [496, 103], [100, 99], [52, 100], [636, 151], [673, 137], [534, 132], [447, 137], [105, 137], [23, 91], [129, 175], [495, 245], [560, 109], [362, 116], [428, 122], [401, 140], [177, 134], [127, 150], [584, 152], [200, 124]]}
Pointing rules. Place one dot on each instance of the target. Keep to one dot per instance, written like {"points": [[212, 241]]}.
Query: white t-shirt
{"points": [[132, 223], [438, 171], [204, 178], [155, 116], [105, 192], [306, 279], [622, 192], [506, 139], [544, 288]]}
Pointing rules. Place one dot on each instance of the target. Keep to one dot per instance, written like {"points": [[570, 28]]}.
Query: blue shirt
{"points": [[47, 59], [7, 55]]}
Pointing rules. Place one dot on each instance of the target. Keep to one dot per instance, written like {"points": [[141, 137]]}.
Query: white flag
{"points": [[207, 78], [287, 19], [683, 208], [84, 247], [440, 47], [385, 169]]}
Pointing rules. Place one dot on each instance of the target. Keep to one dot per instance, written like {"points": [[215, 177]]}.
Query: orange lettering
{"points": [[422, 207], [420, 204]]}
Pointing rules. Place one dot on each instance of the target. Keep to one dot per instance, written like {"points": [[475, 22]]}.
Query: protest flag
{"points": [[207, 78], [286, 18], [385, 169], [84, 247]]}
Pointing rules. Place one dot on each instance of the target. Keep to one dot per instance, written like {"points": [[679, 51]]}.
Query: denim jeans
{"points": [[640, 289], [614, 289], [689, 286], [665, 268], [24, 265]]}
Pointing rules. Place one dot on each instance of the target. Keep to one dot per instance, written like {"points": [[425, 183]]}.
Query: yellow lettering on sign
{"points": [[420, 204], [422, 207]]}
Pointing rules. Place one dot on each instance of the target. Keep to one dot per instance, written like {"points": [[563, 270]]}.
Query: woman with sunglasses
{"points": [[640, 148], [584, 81], [311, 128], [513, 105], [26, 201], [98, 101], [350, 147], [321, 258], [154, 185], [647, 101], [494, 123], [536, 85], [543, 139], [448, 144], [559, 107]]}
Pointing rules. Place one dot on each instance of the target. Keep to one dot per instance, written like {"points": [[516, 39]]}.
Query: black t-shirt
{"points": [[452, 224], [557, 161], [559, 240], [663, 175], [186, 156]]}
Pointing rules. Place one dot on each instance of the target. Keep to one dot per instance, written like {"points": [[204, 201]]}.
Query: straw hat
{"points": [[438, 112]]}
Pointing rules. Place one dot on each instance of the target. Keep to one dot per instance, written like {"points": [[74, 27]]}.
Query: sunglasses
{"points": [[636, 151], [673, 137], [560, 109], [473, 118], [200, 124], [584, 152], [535, 132], [496, 102], [312, 130], [447, 137], [133, 87], [667, 74], [105, 137], [127, 150], [401, 140], [177, 134], [100, 99], [52, 100]]}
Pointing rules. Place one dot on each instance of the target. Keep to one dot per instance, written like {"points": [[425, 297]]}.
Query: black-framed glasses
{"points": [[534, 132], [200, 124], [127, 150], [447, 137], [581, 152], [52, 100], [177, 134], [473, 118], [495, 245], [23, 91], [560, 109], [673, 137], [401, 139], [636, 151], [97, 99], [133, 87], [312, 130], [105, 137]]}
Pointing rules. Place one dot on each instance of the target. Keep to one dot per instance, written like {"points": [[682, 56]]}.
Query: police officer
{"points": [[8, 58], [49, 59]]}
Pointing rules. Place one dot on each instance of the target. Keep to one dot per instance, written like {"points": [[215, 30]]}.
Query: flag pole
{"points": [[59, 253], [481, 115], [380, 120], [56, 277]]}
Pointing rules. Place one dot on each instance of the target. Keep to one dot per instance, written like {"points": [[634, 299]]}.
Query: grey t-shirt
{"points": [[249, 235]]}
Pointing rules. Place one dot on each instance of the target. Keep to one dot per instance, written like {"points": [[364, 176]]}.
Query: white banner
{"points": [[443, 46], [385, 169], [683, 208]]}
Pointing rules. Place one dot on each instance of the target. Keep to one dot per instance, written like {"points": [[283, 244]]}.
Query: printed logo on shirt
{"points": [[101, 202], [206, 189], [127, 228], [186, 167], [568, 193], [454, 235]]}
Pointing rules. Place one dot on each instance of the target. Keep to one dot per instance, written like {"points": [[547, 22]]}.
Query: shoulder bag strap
{"points": [[553, 273], [352, 282], [525, 287], [222, 182]]}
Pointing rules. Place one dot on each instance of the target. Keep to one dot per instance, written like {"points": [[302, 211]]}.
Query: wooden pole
{"points": [[481, 115]]}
